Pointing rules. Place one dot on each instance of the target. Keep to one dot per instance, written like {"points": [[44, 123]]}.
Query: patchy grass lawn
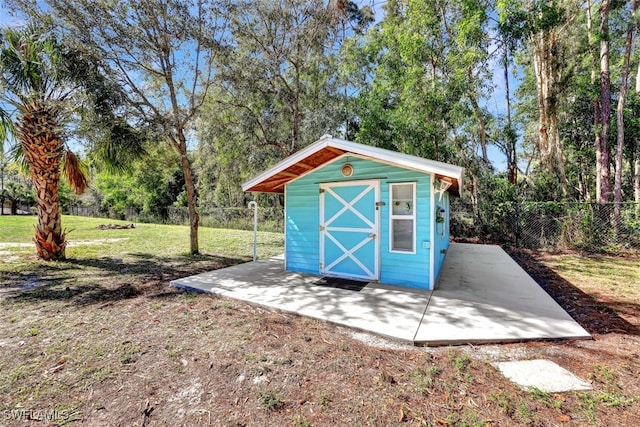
{"points": [[607, 277], [146, 240], [101, 339]]}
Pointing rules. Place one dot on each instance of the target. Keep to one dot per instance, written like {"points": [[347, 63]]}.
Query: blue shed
{"points": [[365, 213]]}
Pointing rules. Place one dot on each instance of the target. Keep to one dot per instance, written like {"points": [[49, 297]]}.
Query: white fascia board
{"points": [[400, 159], [393, 157], [284, 164]]}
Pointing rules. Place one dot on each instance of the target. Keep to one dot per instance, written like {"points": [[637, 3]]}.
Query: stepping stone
{"points": [[542, 374]]}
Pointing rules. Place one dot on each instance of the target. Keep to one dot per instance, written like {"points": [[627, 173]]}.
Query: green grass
{"points": [[504, 400], [324, 398], [546, 398], [86, 241], [271, 400], [616, 275]]}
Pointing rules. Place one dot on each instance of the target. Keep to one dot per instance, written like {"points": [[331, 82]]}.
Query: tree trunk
{"points": [[43, 151], [622, 96], [636, 176], [194, 218], [481, 130], [512, 161], [597, 116], [2, 198], [295, 108], [603, 162], [547, 79], [583, 189]]}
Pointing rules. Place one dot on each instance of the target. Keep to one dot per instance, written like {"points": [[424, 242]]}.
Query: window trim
{"points": [[412, 217]]}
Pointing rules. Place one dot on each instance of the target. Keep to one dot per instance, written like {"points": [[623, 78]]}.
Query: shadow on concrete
{"points": [[484, 296], [391, 313], [595, 316]]}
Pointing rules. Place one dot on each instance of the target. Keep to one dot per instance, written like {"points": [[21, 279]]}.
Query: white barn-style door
{"points": [[349, 228]]}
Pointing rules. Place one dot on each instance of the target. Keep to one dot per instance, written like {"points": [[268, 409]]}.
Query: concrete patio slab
{"points": [[482, 296], [389, 311]]}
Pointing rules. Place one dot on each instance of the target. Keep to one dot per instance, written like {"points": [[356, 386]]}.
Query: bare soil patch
{"points": [[107, 342], [115, 226]]}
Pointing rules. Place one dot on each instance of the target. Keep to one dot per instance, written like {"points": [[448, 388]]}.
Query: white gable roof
{"points": [[328, 148]]}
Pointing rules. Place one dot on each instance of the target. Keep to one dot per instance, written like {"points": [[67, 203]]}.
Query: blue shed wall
{"points": [[441, 232], [404, 268], [302, 248]]}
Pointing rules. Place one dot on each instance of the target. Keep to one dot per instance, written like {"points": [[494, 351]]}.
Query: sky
{"points": [[7, 20], [495, 103], [5, 17]]}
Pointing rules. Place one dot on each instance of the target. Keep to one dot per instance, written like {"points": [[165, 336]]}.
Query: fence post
{"points": [[254, 205], [517, 230]]}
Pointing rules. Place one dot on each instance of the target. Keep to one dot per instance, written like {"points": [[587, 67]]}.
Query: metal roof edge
{"points": [[401, 159], [289, 161], [398, 158], [394, 157]]}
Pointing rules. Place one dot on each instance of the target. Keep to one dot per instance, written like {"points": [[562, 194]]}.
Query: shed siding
{"points": [[404, 268], [303, 216], [442, 232], [302, 245]]}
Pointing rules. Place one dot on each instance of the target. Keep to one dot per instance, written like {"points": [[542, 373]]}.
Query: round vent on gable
{"points": [[347, 170]]}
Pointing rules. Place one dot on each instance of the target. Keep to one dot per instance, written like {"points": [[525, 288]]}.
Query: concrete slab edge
{"points": [[417, 343], [187, 288], [176, 284], [455, 342]]}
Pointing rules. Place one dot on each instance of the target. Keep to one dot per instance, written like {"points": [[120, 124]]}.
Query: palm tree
{"points": [[36, 89]]}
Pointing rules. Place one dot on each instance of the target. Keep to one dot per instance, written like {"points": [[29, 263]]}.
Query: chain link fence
{"points": [[559, 226], [269, 218]]}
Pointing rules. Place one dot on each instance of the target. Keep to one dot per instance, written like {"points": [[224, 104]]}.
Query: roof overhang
{"points": [[327, 148]]}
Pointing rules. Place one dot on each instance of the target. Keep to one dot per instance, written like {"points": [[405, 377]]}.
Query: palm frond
{"points": [[17, 154], [30, 64], [120, 146], [6, 128], [74, 172]]}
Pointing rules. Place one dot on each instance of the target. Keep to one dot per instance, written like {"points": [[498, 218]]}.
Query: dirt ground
{"points": [[110, 343]]}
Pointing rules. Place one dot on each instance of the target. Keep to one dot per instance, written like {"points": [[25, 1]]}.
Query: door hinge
{"points": [[321, 228]]}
